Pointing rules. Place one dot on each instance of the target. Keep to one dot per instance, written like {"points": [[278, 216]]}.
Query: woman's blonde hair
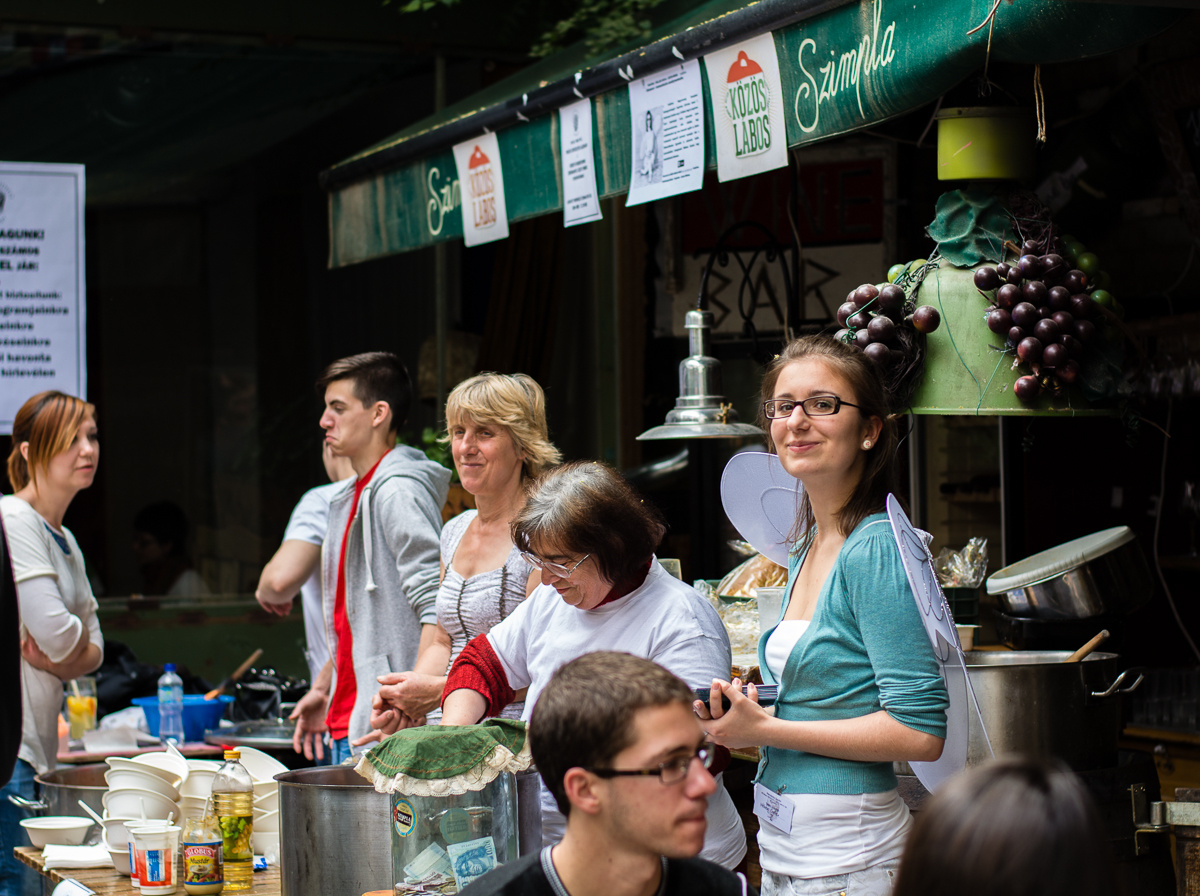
{"points": [[513, 401], [48, 422]]}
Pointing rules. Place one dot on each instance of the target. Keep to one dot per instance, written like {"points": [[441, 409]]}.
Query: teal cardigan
{"points": [[864, 650]]}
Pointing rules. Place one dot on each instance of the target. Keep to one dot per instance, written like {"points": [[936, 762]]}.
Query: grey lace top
{"points": [[470, 607]]}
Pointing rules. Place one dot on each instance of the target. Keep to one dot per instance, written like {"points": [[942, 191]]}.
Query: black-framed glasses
{"points": [[557, 569], [670, 772], [817, 406]]}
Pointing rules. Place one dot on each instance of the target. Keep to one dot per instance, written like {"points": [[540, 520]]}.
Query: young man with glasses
{"points": [[616, 742]]}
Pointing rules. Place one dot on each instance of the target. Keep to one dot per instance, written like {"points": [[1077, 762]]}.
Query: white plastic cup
{"points": [[137, 855], [770, 602], [159, 848]]}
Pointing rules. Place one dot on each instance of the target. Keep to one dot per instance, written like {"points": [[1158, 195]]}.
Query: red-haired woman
{"points": [[54, 455]]}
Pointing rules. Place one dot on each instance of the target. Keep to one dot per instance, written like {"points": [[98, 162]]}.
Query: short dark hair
{"points": [[584, 715], [880, 476], [1012, 825], [166, 521], [377, 376], [587, 506]]}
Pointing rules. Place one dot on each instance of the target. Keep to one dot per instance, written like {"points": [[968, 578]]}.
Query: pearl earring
{"points": [[867, 443]]}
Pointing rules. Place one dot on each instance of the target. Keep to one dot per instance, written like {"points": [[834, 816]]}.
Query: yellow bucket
{"points": [[985, 143]]}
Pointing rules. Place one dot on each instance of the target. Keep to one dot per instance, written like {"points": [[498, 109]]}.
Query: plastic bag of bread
{"points": [[757, 572]]}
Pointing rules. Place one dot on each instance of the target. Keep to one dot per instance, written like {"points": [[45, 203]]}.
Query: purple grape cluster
{"points": [[1041, 306], [882, 321]]}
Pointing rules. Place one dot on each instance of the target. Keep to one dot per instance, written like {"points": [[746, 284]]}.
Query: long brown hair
{"points": [[48, 422], [879, 477]]}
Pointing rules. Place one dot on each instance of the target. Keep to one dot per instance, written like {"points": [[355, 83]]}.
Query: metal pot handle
{"points": [[1115, 687], [34, 805]]}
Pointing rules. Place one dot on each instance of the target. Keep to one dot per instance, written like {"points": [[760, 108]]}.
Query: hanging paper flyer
{"points": [[581, 201], [484, 214], [42, 298], [666, 113], [747, 107]]}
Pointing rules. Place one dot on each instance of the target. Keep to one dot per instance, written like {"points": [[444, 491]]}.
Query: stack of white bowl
{"points": [[146, 787], [263, 769]]}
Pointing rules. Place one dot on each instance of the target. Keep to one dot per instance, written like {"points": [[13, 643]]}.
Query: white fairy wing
{"points": [[761, 500], [939, 626]]}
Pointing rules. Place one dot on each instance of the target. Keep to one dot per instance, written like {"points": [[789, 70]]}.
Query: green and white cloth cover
{"points": [[439, 760]]}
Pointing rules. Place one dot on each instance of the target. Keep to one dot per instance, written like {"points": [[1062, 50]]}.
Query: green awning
{"points": [[845, 65]]}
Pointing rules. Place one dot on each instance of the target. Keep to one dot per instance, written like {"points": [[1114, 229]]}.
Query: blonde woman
{"points": [[496, 426], [54, 455]]}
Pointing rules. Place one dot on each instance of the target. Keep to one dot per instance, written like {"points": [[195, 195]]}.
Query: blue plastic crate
{"points": [[199, 715]]}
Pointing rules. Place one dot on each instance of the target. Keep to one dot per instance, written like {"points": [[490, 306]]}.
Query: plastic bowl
{"points": [[165, 762], [119, 856], [127, 802], [198, 784], [118, 778], [199, 715], [64, 829], [262, 767], [266, 821], [268, 801], [266, 843], [116, 835]]}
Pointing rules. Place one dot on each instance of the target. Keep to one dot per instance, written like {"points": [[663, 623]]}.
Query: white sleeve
{"points": [[698, 658], [47, 619], [310, 519], [27, 546], [509, 638]]}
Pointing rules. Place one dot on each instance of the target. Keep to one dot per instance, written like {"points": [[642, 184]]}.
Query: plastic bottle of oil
{"points": [[233, 801]]}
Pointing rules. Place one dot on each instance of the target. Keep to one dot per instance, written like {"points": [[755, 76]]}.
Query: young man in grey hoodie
{"points": [[379, 561]]}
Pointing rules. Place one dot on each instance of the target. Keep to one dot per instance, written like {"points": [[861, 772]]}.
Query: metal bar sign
{"points": [[42, 297]]}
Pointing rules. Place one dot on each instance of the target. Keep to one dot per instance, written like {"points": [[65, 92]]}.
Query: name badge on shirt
{"points": [[773, 808]]}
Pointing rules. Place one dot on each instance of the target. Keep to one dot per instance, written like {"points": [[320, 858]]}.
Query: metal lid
{"points": [[1058, 560]]}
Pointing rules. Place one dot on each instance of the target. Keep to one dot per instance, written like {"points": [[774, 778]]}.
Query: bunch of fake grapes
{"points": [[1047, 310], [882, 321]]}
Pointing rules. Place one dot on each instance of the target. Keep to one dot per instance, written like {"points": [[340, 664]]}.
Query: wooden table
{"points": [[191, 750], [110, 882]]}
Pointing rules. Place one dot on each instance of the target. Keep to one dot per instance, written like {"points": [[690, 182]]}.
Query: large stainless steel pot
{"points": [[1034, 703], [335, 833], [1105, 572], [62, 789]]}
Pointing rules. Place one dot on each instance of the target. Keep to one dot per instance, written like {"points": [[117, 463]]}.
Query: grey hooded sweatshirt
{"points": [[392, 559]]}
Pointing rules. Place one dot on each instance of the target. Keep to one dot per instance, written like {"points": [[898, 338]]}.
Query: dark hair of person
{"points": [[377, 376], [166, 522], [1012, 825], [48, 422], [589, 508], [879, 477], [584, 715]]}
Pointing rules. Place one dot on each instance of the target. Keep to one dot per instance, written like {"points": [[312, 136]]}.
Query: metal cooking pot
{"points": [[1034, 703], [1105, 572], [334, 833], [63, 788]]}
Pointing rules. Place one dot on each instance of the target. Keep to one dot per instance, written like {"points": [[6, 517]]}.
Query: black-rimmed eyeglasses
{"points": [[817, 406], [670, 772]]}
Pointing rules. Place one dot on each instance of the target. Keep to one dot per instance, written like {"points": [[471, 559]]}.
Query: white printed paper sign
{"points": [[666, 113], [42, 299], [581, 202], [747, 100], [485, 217]]}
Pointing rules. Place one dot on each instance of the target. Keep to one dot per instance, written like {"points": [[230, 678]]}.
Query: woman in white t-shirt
{"points": [[592, 536], [54, 455]]}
